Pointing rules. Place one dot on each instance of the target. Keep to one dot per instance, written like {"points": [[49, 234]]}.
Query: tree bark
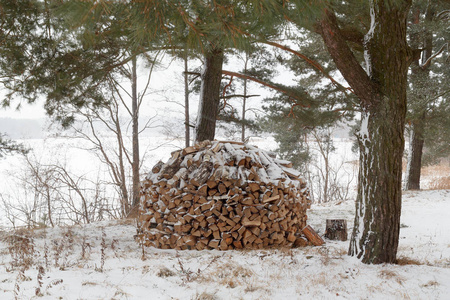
{"points": [[413, 171], [187, 127], [209, 96], [244, 100], [420, 77], [336, 229], [135, 136], [382, 93]]}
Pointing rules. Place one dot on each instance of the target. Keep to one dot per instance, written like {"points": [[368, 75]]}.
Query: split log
{"points": [[312, 236]]}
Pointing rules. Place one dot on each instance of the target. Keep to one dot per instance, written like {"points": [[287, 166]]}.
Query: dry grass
{"points": [[404, 261], [21, 249], [431, 283], [165, 272], [204, 296], [438, 170], [391, 275], [442, 183], [229, 274], [438, 174]]}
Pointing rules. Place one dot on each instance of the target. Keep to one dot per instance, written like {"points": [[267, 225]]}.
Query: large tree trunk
{"points": [[378, 206], [377, 222], [209, 95], [382, 94]]}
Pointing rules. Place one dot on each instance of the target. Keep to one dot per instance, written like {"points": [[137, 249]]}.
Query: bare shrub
{"points": [[329, 179], [22, 250], [48, 194], [85, 248], [40, 276], [189, 275], [103, 247]]}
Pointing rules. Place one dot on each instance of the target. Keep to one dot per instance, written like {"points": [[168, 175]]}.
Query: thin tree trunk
{"points": [[49, 205], [382, 94], [187, 127], [415, 155], [419, 78], [135, 136], [244, 101], [209, 95], [118, 172]]}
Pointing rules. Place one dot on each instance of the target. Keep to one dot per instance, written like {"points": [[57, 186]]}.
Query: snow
{"points": [[368, 37], [364, 130], [130, 272]]}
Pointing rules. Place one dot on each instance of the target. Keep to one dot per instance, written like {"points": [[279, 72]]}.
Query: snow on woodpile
{"points": [[223, 195]]}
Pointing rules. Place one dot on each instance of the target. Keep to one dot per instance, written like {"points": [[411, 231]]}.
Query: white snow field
{"points": [[102, 261]]}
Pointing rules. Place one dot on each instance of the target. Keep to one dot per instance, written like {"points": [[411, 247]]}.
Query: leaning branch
{"points": [[264, 83], [313, 63], [238, 96], [428, 62], [344, 58], [267, 84]]}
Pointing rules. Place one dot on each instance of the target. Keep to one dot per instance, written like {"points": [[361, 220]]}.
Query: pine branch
{"points": [[313, 63], [238, 96], [273, 86], [8, 146]]}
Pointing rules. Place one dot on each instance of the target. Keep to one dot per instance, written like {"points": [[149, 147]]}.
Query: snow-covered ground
{"points": [[102, 261]]}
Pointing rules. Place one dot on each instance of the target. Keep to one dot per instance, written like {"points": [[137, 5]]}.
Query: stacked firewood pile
{"points": [[222, 195]]}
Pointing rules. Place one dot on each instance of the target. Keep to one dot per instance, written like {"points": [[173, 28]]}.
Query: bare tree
{"points": [[100, 124], [48, 194], [328, 176]]}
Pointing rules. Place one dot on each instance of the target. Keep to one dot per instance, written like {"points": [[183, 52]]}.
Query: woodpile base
{"points": [[223, 195]]}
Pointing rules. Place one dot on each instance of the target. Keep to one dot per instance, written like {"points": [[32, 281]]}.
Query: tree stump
{"points": [[336, 229]]}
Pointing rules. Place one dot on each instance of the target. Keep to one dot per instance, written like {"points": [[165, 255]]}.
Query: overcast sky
{"points": [[27, 111]]}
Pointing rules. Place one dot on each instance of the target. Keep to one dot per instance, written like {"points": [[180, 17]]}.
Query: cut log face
{"points": [[312, 236], [336, 229], [223, 195]]}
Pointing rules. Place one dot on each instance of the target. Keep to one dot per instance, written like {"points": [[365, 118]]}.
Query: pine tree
{"points": [[19, 29], [381, 90], [19, 26], [329, 102], [74, 48], [428, 95]]}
